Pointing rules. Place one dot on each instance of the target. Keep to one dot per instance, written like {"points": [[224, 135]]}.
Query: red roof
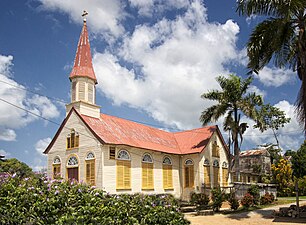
{"points": [[83, 62], [114, 130]]}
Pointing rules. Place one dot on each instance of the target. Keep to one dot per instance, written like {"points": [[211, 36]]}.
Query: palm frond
{"points": [[278, 8]]}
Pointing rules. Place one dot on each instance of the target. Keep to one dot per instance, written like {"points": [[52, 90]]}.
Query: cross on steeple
{"points": [[85, 13]]}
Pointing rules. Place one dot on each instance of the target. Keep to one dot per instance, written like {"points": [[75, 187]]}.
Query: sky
{"points": [[153, 59]]}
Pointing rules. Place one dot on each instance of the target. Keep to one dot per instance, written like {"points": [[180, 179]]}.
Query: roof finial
{"points": [[85, 13]]}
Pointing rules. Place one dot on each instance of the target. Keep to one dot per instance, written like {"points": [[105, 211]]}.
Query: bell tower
{"points": [[83, 79]]}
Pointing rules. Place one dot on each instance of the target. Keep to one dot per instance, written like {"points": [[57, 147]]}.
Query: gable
{"points": [[72, 121]]}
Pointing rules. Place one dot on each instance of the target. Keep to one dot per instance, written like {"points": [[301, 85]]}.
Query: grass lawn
{"points": [[279, 201]]}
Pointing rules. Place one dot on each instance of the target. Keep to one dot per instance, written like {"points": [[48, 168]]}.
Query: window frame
{"points": [[72, 140], [167, 173]]}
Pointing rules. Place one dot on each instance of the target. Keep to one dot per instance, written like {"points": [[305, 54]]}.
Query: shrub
{"points": [[233, 201], [218, 197], [199, 198], [42, 201], [247, 200], [254, 191], [267, 199]]}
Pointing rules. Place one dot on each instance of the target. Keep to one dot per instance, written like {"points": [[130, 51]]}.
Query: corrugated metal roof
{"points": [[83, 62], [114, 130], [253, 152]]}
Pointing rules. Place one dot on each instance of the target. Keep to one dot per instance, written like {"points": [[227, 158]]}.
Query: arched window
{"points": [[147, 172], [90, 168], [123, 170], [73, 139], [123, 155], [73, 168], [189, 173], [167, 173], [224, 173], [207, 178], [73, 161], [56, 167], [216, 170], [215, 150], [224, 165], [206, 162], [216, 163]]}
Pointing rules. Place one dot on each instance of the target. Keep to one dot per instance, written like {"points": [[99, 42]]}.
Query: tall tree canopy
{"points": [[281, 37], [271, 117], [234, 101]]}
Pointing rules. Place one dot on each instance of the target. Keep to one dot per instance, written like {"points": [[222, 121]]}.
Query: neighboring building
{"points": [[121, 156], [253, 164]]}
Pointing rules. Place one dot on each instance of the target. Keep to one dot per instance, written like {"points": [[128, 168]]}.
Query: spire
{"points": [[83, 62]]}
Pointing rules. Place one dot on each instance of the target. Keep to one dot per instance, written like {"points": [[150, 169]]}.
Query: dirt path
{"points": [[260, 216]]}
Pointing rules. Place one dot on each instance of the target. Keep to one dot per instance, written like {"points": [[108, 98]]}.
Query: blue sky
{"points": [[152, 60]]}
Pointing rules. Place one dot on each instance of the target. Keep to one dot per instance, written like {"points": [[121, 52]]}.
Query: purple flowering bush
{"points": [[38, 200]]}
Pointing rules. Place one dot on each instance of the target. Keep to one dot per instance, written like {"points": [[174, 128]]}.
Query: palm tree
{"points": [[281, 37], [234, 101]]}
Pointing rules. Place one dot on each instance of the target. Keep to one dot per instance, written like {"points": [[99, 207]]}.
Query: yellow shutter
{"points": [[167, 177], [76, 141], [216, 176], [207, 176], [68, 143], [90, 172], [170, 179], [191, 170], [224, 176], [187, 183], [127, 174], [119, 183], [56, 171], [150, 176], [147, 176]]}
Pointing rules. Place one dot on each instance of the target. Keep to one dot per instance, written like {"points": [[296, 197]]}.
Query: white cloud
{"points": [[290, 136], [175, 61], [5, 153], [12, 117], [149, 7], [7, 134], [258, 91], [275, 77], [104, 15], [42, 144]]}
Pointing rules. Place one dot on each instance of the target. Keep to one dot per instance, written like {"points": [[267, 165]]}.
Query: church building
{"points": [[122, 156]]}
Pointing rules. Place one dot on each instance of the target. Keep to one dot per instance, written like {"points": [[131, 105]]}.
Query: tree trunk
{"points": [[297, 198], [236, 145]]}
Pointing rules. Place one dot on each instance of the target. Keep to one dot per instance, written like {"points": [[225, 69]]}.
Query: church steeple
{"points": [[83, 63], [83, 78]]}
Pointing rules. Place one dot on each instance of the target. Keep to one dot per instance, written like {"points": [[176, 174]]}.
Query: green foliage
{"points": [[233, 101], [233, 201], [298, 162], [217, 197], [247, 200], [277, 38], [270, 117], [266, 199], [13, 165], [282, 174], [254, 191], [200, 199], [42, 201]]}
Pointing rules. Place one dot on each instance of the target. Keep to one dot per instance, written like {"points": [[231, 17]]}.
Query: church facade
{"points": [[122, 156]]}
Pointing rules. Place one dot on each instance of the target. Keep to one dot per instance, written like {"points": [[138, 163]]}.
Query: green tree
{"points": [[282, 174], [15, 166], [270, 117], [233, 100], [298, 169], [280, 37]]}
